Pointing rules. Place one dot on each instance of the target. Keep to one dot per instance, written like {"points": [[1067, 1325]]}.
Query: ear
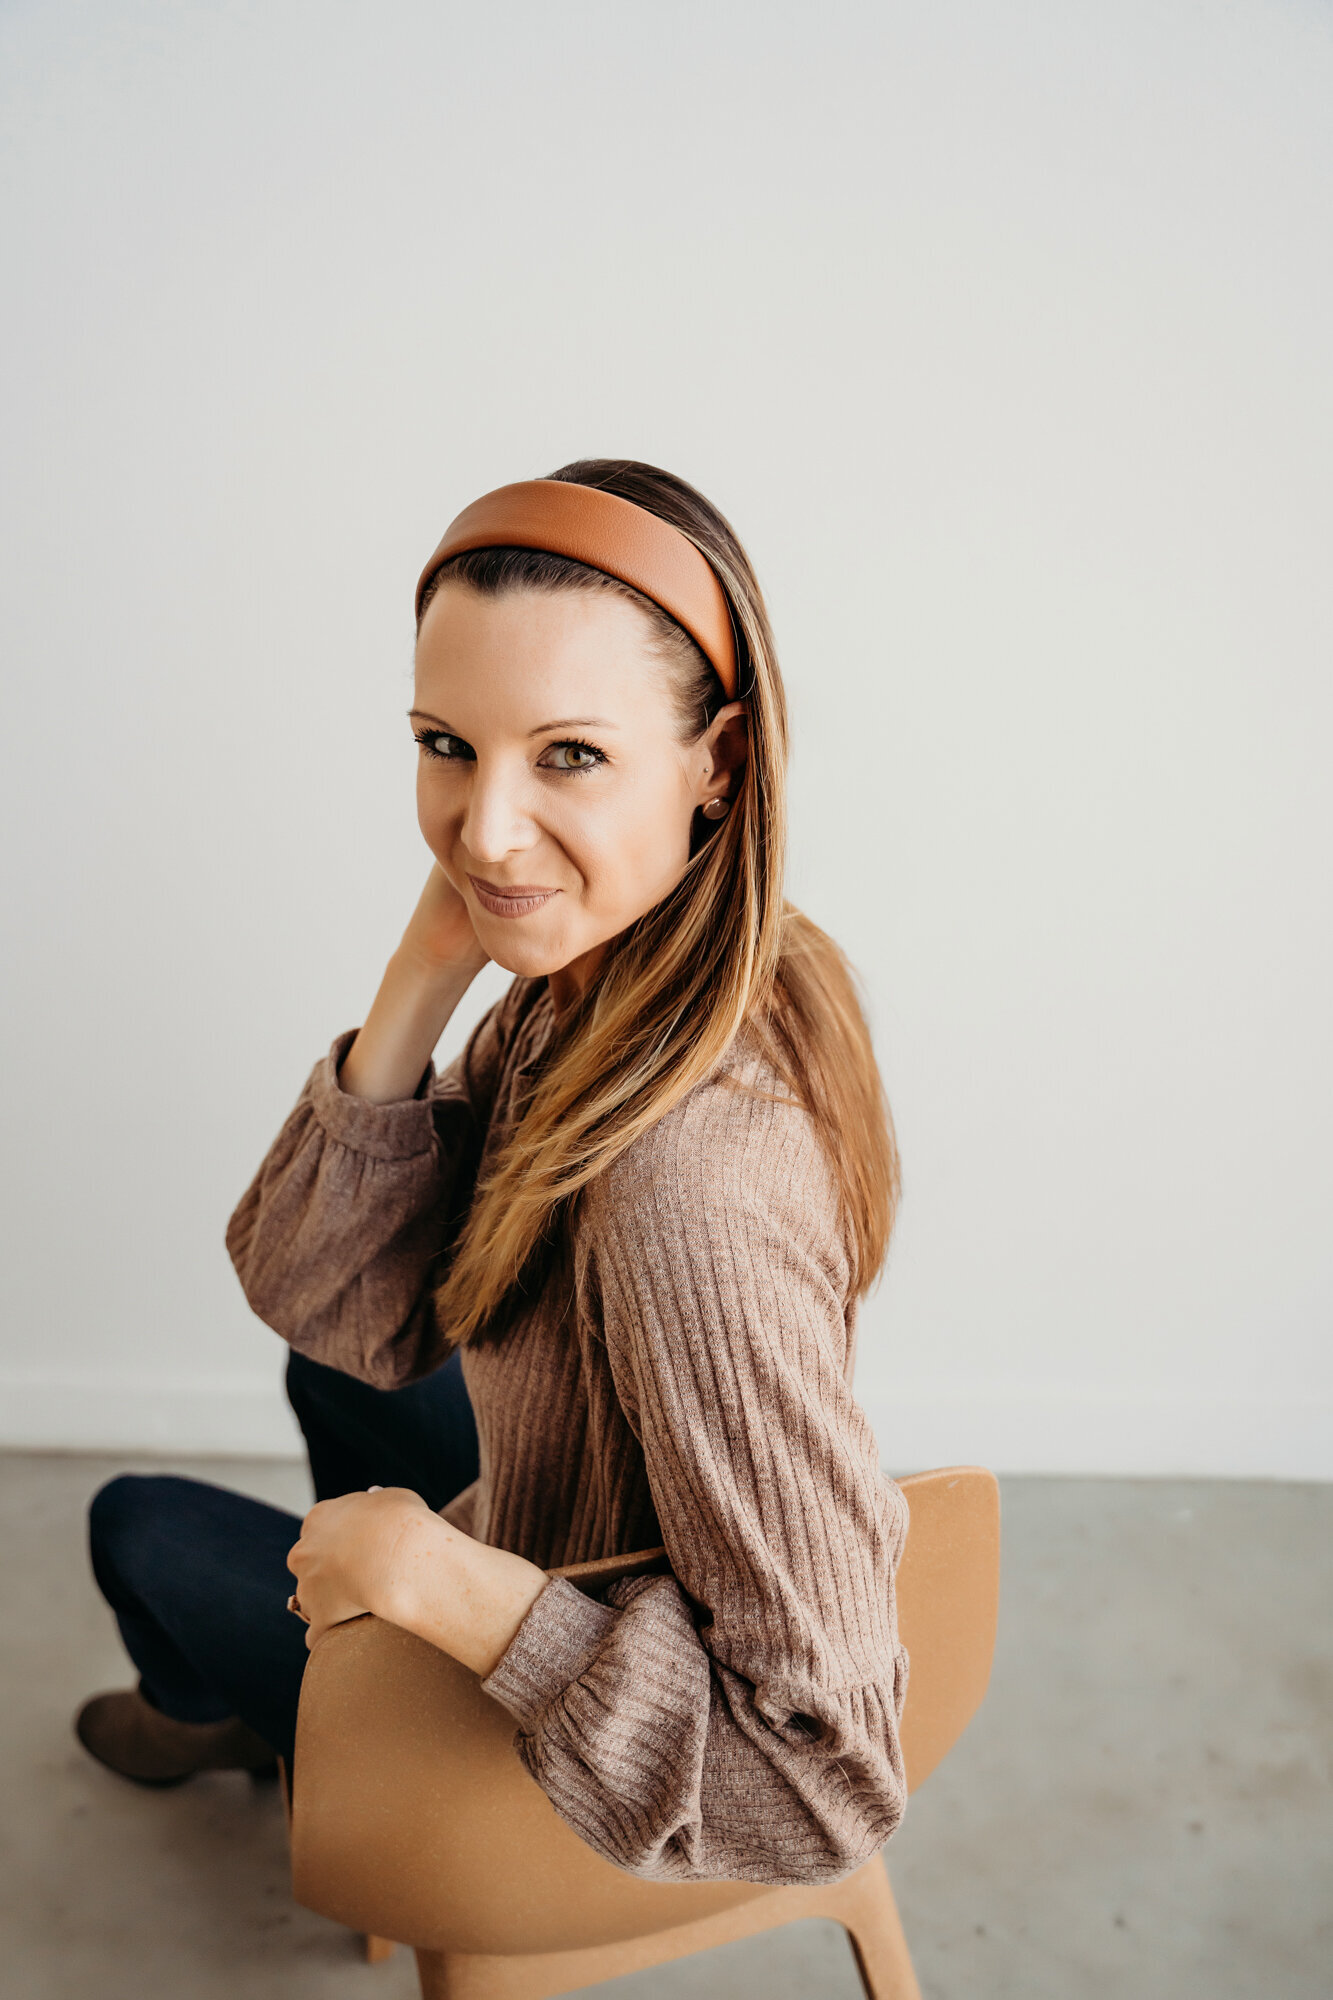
{"points": [[722, 751]]}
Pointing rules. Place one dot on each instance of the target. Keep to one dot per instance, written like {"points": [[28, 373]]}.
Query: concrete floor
{"points": [[1142, 1810]]}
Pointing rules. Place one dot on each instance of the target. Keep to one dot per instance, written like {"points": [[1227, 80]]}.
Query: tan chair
{"points": [[412, 1818]]}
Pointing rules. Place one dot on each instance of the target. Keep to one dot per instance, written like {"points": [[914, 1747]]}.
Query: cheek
{"points": [[437, 815], [631, 848]]}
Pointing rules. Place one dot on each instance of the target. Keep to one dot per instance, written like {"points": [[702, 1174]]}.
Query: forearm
{"points": [[459, 1594], [409, 1013]]}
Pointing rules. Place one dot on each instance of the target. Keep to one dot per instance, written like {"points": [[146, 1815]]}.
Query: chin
{"points": [[526, 960]]}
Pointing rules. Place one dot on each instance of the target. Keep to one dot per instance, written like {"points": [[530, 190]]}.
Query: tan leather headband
{"points": [[607, 533]]}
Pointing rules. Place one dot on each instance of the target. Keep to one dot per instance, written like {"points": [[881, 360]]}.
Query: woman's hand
{"points": [[435, 963], [439, 934], [385, 1552], [348, 1551]]}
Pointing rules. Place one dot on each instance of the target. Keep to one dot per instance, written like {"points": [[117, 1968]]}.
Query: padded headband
{"points": [[609, 534]]}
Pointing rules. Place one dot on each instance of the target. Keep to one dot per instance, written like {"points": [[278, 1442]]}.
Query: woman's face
{"points": [[552, 785]]}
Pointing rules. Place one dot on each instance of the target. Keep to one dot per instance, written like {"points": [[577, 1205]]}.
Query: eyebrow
{"points": [[542, 729]]}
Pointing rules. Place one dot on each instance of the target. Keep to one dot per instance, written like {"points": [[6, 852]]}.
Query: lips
{"points": [[520, 900]]}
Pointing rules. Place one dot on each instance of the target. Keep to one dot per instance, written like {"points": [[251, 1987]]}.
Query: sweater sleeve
{"points": [[338, 1237], [739, 1716]]}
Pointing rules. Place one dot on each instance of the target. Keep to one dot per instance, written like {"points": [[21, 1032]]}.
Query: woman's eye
{"points": [[437, 744], [560, 757], [574, 757]]}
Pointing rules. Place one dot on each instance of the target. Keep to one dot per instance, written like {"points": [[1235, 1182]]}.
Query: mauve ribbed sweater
{"points": [[687, 1381]]}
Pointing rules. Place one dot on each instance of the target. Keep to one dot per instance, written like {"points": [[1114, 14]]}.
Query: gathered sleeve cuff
{"points": [[396, 1131], [557, 1641]]}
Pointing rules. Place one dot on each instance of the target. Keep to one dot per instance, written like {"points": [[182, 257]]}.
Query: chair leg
{"points": [[865, 1907], [378, 1950], [862, 1903]]}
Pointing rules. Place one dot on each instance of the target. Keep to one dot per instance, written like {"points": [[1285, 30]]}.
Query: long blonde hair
{"points": [[723, 950]]}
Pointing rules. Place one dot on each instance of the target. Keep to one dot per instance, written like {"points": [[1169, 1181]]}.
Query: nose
{"points": [[496, 822]]}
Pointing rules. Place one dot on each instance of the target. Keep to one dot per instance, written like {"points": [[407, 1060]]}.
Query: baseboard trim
{"points": [[1105, 1435], [75, 1409]]}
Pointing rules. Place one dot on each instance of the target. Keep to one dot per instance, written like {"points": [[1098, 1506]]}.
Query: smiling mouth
{"points": [[519, 902]]}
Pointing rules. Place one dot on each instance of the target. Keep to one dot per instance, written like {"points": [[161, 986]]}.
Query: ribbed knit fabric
{"points": [[686, 1380]]}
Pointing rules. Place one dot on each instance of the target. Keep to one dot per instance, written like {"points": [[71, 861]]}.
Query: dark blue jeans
{"points": [[197, 1575]]}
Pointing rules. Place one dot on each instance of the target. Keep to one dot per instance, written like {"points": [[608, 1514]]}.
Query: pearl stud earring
{"points": [[716, 809]]}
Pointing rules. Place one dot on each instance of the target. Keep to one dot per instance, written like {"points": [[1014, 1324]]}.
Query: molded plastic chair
{"points": [[412, 1818]]}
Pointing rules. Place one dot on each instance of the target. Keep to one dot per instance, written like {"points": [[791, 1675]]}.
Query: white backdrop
{"points": [[1002, 333]]}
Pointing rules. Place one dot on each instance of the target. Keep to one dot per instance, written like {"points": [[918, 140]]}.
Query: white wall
{"points": [[1002, 332]]}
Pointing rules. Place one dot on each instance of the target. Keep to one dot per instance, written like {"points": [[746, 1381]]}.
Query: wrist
{"points": [[447, 978], [461, 1595], [409, 1013], [414, 1572]]}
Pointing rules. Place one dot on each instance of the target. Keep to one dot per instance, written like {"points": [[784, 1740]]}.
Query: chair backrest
{"points": [[413, 1819], [948, 1589]]}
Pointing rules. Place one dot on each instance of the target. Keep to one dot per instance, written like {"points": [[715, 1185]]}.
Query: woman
{"points": [[637, 1213]]}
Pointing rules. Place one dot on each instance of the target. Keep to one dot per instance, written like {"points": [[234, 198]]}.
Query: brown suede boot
{"points": [[134, 1739]]}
